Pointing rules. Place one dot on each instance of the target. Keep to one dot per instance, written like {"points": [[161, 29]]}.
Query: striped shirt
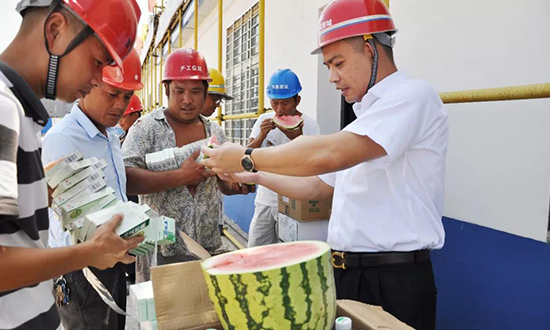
{"points": [[23, 199]]}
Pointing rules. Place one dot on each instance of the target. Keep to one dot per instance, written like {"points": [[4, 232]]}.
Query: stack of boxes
{"points": [[143, 300], [303, 220], [83, 201]]}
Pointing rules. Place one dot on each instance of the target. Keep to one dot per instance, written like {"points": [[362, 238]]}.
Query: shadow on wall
{"points": [[489, 279]]}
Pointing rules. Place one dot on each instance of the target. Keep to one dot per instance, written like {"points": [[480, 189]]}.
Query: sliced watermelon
{"points": [[288, 122], [213, 140], [280, 286]]}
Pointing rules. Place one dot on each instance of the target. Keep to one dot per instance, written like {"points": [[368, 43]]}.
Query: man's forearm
{"points": [[22, 267], [256, 142], [313, 155], [301, 188], [141, 181]]}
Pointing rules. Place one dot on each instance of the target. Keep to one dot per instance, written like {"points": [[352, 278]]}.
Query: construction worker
{"points": [[283, 91], [216, 93], [188, 194], [59, 52], [132, 113], [89, 128], [386, 169]]}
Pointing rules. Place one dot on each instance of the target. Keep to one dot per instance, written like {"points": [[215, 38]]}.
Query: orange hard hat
{"points": [[185, 64], [342, 19], [134, 105], [130, 78]]}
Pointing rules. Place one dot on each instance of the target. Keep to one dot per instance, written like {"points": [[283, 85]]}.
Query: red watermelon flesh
{"points": [[213, 140], [288, 122], [263, 257]]}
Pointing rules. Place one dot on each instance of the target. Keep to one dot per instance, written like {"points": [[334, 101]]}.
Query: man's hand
{"points": [[293, 133], [242, 177], [109, 248], [266, 126], [193, 173], [224, 159]]}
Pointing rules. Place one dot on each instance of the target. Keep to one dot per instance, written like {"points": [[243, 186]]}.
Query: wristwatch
{"points": [[247, 162]]}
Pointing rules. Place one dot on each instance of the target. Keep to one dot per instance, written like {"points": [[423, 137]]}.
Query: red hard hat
{"points": [[113, 21], [343, 19], [134, 105], [186, 64], [131, 76]]}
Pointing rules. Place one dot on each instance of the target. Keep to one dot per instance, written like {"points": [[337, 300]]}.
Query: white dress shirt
{"points": [[77, 132], [394, 203]]}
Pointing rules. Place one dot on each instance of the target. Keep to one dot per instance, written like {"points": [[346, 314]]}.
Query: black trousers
{"points": [[407, 292], [86, 310]]}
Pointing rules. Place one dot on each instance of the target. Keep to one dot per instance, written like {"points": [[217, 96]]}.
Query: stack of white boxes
{"points": [[83, 201], [143, 300]]}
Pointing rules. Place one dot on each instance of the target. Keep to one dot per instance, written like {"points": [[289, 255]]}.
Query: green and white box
{"points": [[69, 169], [73, 180]]}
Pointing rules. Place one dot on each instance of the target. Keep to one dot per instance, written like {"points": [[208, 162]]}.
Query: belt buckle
{"points": [[341, 255]]}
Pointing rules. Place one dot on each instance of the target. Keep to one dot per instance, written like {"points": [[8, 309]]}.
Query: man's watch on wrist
{"points": [[247, 162]]}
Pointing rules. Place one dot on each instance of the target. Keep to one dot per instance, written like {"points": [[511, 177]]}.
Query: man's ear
{"points": [[368, 49], [298, 100], [57, 32], [166, 89]]}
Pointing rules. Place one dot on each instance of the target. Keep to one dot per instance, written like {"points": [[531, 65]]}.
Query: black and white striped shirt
{"points": [[23, 199]]}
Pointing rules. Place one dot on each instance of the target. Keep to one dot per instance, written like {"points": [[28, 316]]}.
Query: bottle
{"points": [[342, 323]]}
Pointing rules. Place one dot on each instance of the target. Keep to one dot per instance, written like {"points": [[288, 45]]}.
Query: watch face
{"points": [[247, 163]]}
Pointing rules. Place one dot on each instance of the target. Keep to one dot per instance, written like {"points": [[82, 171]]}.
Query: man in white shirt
{"points": [[386, 169], [265, 133]]}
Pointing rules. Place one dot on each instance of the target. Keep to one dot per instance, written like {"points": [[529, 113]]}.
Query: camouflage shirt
{"points": [[198, 216]]}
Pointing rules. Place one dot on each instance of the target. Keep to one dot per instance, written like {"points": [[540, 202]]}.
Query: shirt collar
{"points": [[377, 91], [27, 97], [84, 121]]}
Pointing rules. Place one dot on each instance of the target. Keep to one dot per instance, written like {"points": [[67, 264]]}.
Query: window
{"points": [[242, 74]]}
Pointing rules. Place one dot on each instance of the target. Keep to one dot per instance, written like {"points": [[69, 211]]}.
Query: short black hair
{"points": [[358, 43]]}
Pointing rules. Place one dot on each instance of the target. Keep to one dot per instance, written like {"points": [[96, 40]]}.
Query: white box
{"points": [[69, 169], [291, 230], [138, 297], [69, 182]]}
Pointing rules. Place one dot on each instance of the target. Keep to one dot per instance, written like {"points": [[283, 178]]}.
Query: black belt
{"points": [[346, 260]]}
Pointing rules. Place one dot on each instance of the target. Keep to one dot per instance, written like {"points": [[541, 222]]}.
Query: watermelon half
{"points": [[288, 122], [273, 287]]}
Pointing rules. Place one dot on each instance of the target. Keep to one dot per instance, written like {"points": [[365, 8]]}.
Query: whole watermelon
{"points": [[287, 286]]}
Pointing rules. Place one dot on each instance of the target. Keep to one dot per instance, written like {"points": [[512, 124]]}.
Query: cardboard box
{"points": [[181, 295], [369, 317], [292, 230], [305, 210]]}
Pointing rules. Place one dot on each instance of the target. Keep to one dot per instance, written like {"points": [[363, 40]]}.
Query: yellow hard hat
{"points": [[217, 85]]}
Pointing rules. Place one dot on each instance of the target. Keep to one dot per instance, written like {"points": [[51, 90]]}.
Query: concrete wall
{"points": [[498, 172]]}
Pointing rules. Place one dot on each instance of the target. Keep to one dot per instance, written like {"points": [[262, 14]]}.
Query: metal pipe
{"points": [[181, 28], [196, 25], [160, 73], [155, 86], [535, 91], [261, 28], [220, 51], [241, 116], [169, 41], [232, 239]]}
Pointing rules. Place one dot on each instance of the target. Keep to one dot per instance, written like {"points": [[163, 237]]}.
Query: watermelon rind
{"points": [[288, 122], [286, 295]]}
